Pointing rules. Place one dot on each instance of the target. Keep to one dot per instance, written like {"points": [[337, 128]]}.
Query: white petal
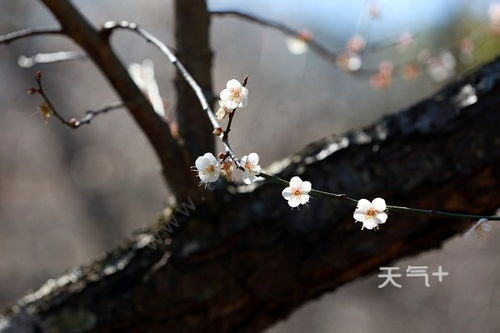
{"points": [[249, 178], [379, 204], [370, 224], [243, 102], [209, 177], [233, 84], [244, 159], [304, 198], [230, 104], [306, 186], [363, 204], [201, 163], [287, 193], [225, 95], [257, 169], [294, 201], [211, 158], [295, 182], [382, 217], [253, 158], [359, 215], [244, 92]]}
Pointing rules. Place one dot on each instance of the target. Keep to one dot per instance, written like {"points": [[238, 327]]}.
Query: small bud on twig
{"points": [[32, 91], [38, 75], [73, 123], [217, 131]]}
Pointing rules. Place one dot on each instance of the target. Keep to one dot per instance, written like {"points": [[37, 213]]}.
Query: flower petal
{"points": [[363, 204], [287, 193], [233, 84], [295, 182], [379, 204], [303, 198], [243, 102], [370, 224], [359, 215], [306, 186], [244, 92], [201, 163], [253, 158], [249, 178], [382, 217], [225, 95], [294, 201]]}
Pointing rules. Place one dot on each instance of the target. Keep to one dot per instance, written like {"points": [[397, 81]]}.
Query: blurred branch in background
{"points": [[49, 58]]}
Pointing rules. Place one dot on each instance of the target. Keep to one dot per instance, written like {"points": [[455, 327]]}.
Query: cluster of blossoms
{"points": [[210, 167], [234, 96]]}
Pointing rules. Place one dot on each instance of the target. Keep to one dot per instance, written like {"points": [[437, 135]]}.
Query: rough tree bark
{"points": [[247, 261]]}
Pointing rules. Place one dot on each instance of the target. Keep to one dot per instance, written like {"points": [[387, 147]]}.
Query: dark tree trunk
{"points": [[248, 260]]}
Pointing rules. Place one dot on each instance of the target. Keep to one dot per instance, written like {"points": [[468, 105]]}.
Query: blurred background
{"points": [[66, 196]]}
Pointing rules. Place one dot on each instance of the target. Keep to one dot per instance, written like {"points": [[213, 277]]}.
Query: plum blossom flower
{"points": [[297, 193], [371, 214], [235, 95], [208, 168], [223, 111], [227, 169], [252, 168]]}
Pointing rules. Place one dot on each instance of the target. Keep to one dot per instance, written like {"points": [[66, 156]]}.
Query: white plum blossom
{"points": [[223, 111], [208, 168], [235, 95], [252, 168], [371, 214], [297, 193]]}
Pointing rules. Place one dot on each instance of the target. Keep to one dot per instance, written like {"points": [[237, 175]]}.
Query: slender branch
{"points": [[49, 58], [337, 196], [316, 46], [110, 26], [72, 122], [313, 44], [25, 33]]}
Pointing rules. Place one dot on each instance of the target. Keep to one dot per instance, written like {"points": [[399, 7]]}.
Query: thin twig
{"points": [[72, 122], [313, 44], [337, 196], [12, 36], [110, 26]]}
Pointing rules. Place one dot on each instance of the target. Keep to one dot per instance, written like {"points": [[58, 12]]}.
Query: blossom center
{"points": [[296, 192], [236, 94], [249, 166], [210, 169], [371, 212]]}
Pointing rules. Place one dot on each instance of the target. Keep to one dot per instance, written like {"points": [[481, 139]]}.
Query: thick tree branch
{"points": [[244, 262], [192, 43], [175, 159]]}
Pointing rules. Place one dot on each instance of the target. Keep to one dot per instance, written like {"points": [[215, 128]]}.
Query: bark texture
{"points": [[244, 263], [192, 43]]}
